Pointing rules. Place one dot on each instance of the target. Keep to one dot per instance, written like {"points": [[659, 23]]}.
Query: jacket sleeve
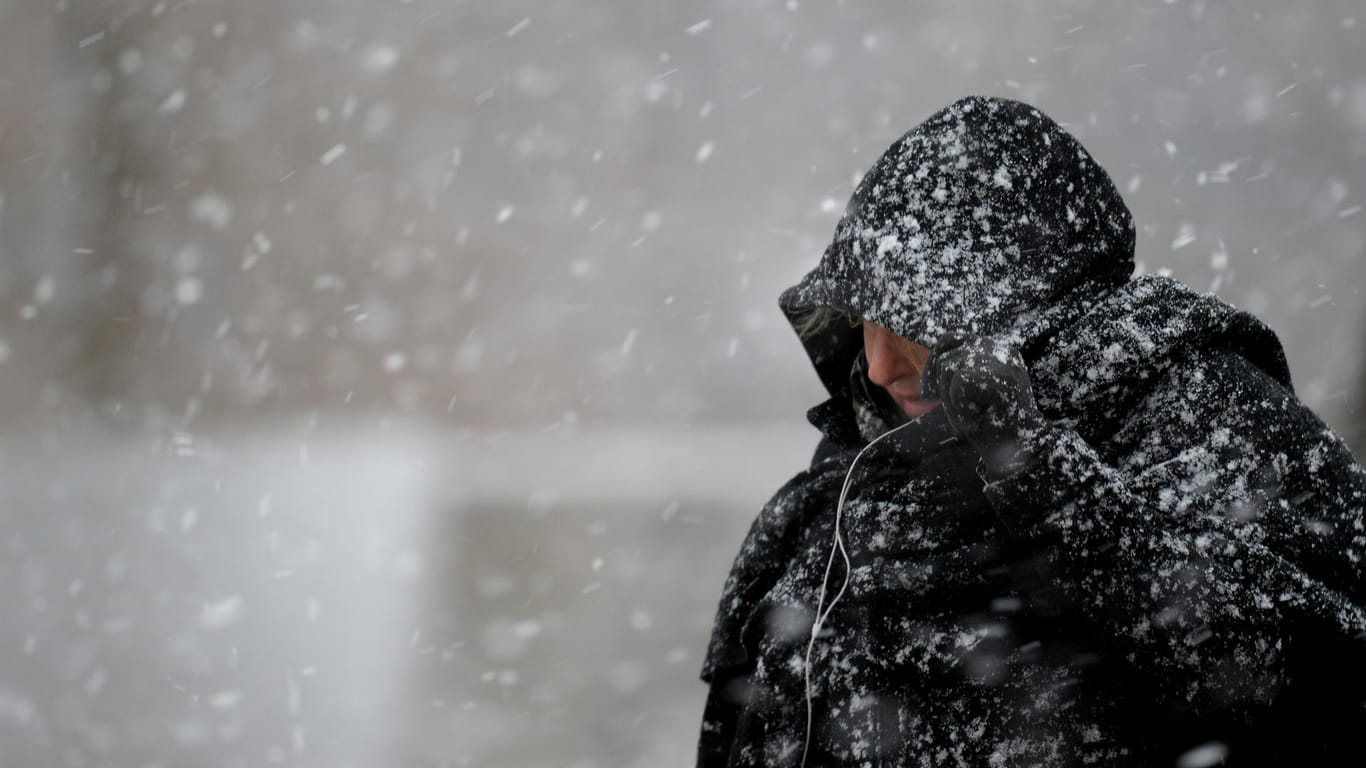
{"points": [[1225, 530]]}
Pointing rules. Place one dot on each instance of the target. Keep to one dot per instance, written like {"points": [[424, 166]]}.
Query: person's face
{"points": [[896, 365]]}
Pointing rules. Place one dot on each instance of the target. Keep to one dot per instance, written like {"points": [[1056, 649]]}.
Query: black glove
{"points": [[987, 395]]}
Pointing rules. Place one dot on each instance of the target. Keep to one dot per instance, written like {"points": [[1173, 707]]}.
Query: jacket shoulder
{"points": [[1220, 435], [1218, 397]]}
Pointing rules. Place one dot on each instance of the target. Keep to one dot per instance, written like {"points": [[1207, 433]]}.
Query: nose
{"points": [[886, 361]]}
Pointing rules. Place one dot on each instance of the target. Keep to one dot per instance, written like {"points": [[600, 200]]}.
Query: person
{"points": [[1059, 514]]}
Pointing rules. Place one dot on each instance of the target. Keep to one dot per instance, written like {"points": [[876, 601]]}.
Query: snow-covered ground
{"points": [[365, 598]]}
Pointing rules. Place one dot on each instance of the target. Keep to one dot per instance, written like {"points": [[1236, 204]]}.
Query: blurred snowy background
{"points": [[390, 383]]}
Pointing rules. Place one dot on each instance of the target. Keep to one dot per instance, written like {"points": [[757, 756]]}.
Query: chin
{"points": [[918, 408]]}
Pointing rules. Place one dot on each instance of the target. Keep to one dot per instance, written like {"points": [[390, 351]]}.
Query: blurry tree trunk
{"points": [[109, 323], [68, 287]]}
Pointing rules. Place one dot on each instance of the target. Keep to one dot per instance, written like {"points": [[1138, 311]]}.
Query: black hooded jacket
{"points": [[1173, 574]]}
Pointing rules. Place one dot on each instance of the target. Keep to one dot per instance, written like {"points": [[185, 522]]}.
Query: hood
{"points": [[986, 219]]}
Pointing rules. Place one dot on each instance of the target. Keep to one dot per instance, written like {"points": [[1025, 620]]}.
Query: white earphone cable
{"points": [[837, 546]]}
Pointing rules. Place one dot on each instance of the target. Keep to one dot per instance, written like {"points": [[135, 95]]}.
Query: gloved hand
{"points": [[987, 395]]}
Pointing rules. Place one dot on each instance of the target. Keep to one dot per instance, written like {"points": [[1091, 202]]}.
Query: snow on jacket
{"points": [[1175, 572]]}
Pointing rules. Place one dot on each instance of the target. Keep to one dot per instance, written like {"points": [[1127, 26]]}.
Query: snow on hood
{"points": [[989, 219], [984, 211]]}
